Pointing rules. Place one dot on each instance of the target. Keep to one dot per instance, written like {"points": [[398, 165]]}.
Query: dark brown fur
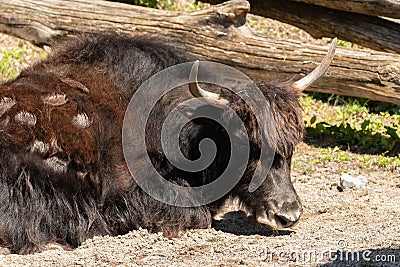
{"points": [[63, 177]]}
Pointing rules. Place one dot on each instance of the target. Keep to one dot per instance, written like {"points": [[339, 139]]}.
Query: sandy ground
{"points": [[339, 228]]}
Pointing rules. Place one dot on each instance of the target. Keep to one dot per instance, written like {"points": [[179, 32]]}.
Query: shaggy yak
{"points": [[63, 177]]}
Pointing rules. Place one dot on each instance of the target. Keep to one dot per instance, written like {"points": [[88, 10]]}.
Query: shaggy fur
{"points": [[63, 176]]}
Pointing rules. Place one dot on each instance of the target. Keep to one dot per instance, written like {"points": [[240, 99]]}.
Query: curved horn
{"points": [[306, 81], [196, 91]]}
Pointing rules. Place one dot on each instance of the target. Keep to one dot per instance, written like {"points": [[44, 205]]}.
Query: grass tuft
{"points": [[341, 125], [352, 123]]}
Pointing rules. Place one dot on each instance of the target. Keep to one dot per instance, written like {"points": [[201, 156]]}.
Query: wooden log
{"points": [[378, 8], [216, 34], [368, 31]]}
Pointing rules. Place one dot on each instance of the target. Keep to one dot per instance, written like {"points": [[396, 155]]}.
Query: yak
{"points": [[63, 177]]}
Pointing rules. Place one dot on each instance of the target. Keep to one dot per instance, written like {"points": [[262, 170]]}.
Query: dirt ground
{"points": [[338, 228]]}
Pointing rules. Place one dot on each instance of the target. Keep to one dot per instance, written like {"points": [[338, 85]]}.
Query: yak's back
{"points": [[130, 60], [61, 119]]}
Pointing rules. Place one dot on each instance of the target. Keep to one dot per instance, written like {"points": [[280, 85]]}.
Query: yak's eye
{"points": [[278, 160]]}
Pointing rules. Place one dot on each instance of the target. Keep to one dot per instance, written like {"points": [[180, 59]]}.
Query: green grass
{"points": [[344, 156], [9, 61], [359, 124], [343, 43], [305, 168], [12, 60], [340, 124]]}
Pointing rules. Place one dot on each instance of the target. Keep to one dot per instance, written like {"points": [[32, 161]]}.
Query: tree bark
{"points": [[216, 34], [369, 31], [378, 8]]}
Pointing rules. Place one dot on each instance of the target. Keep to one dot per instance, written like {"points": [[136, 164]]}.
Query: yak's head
{"points": [[265, 187]]}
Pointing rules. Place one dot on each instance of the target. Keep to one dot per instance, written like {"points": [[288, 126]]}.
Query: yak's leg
{"points": [[34, 213], [137, 209]]}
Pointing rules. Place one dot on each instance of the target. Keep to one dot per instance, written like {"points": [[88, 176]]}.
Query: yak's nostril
{"points": [[285, 220], [288, 218], [282, 220]]}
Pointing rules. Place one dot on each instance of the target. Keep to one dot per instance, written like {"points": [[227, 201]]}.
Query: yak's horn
{"points": [[305, 82], [196, 91]]}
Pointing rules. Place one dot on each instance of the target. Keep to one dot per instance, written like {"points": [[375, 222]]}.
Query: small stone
{"points": [[80, 262], [348, 181], [4, 251]]}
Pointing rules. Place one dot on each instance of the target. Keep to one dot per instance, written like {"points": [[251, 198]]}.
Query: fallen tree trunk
{"points": [[217, 34], [378, 8], [369, 31]]}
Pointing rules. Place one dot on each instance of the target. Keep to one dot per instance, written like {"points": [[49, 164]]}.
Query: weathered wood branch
{"points": [[369, 31], [217, 34], [378, 8]]}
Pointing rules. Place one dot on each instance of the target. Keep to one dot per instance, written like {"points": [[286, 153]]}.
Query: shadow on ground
{"points": [[357, 141], [238, 223]]}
